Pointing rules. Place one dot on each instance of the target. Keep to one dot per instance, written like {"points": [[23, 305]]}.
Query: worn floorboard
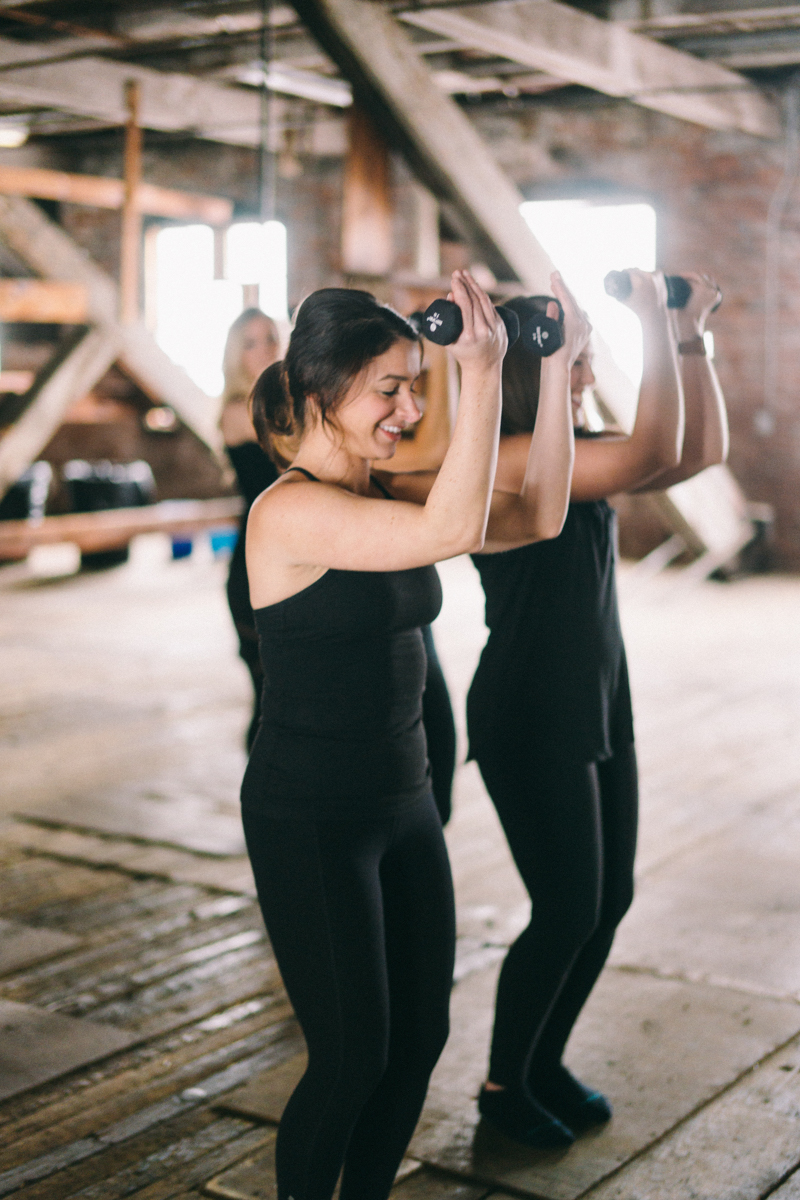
{"points": [[36, 1045], [122, 718], [658, 1048], [740, 1146], [21, 945]]}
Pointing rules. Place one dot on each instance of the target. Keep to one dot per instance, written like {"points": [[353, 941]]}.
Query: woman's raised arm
{"points": [[327, 524], [537, 509], [705, 440]]}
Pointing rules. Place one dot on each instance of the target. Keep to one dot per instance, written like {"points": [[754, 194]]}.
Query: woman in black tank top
{"points": [[549, 711], [344, 838]]}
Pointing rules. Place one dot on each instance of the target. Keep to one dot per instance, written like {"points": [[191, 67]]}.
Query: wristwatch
{"points": [[694, 345]]}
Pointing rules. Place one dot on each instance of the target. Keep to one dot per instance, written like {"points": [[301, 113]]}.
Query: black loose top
{"points": [[552, 679], [341, 729]]}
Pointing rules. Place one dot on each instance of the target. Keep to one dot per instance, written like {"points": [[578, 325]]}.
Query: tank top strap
{"points": [[302, 471], [383, 490]]}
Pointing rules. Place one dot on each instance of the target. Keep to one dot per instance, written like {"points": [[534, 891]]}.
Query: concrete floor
{"points": [[123, 707]]}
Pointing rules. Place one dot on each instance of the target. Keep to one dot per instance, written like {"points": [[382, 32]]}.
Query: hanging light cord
{"points": [[266, 172]]}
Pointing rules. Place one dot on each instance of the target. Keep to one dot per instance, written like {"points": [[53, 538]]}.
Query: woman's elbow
{"points": [[550, 527]]}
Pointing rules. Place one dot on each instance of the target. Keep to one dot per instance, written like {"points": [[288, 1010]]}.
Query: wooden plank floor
{"points": [[122, 716]]}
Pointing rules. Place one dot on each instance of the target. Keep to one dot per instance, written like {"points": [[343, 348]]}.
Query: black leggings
{"points": [[361, 918], [440, 729], [571, 827]]}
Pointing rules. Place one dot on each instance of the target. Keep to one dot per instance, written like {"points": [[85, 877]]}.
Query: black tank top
{"points": [[552, 678], [341, 729], [255, 472]]}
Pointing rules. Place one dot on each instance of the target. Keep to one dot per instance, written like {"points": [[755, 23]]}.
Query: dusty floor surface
{"points": [[147, 1046]]}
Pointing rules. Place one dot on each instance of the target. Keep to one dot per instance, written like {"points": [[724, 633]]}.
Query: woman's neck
{"points": [[332, 463]]}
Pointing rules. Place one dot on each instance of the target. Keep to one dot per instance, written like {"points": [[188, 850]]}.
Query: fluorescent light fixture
{"points": [[12, 135]]}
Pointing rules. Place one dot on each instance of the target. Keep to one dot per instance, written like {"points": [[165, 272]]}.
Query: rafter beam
{"points": [[395, 85], [583, 49], [99, 192], [94, 87], [45, 301], [390, 79]]}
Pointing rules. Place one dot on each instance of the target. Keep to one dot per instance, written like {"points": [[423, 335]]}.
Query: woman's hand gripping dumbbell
{"points": [[679, 290], [442, 323]]}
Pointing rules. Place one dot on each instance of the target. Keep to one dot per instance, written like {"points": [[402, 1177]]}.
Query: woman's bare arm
{"points": [[319, 525], [605, 466], [705, 440], [533, 506], [538, 509]]}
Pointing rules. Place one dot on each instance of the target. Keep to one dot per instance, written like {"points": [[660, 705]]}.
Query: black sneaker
{"points": [[524, 1120]]}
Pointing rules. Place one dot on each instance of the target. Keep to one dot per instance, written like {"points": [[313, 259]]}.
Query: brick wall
{"points": [[711, 191]]}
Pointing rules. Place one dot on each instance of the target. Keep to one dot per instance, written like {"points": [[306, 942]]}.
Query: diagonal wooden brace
{"points": [[52, 254]]}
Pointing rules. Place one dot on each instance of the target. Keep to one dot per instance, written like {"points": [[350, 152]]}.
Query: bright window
{"points": [[586, 241], [193, 310]]}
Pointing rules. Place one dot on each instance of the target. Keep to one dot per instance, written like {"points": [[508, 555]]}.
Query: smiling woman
{"points": [[341, 825]]}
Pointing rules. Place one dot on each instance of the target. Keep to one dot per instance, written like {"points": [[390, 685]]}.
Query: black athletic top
{"points": [[552, 679], [341, 727], [255, 471]]}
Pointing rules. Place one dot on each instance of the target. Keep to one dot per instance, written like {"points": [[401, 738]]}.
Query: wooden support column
{"points": [[367, 233], [131, 238]]}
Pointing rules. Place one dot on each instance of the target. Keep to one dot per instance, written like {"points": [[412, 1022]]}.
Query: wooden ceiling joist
{"points": [[396, 87], [602, 55], [96, 191], [95, 87]]}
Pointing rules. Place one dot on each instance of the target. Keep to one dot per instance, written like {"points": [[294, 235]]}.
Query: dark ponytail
{"points": [[337, 334], [270, 407]]}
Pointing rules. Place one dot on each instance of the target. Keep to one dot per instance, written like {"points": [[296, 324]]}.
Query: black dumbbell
{"points": [[618, 284], [542, 335], [442, 322]]}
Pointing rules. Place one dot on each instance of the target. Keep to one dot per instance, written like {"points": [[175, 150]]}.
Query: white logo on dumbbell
{"points": [[434, 321], [540, 336]]}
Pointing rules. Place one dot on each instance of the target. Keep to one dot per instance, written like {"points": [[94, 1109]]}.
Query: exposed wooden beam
{"points": [[94, 87], [43, 301], [580, 48], [51, 253], [96, 191], [393, 82], [78, 372], [115, 527], [367, 210]]}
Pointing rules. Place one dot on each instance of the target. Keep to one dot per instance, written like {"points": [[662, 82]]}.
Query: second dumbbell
{"points": [[618, 284]]}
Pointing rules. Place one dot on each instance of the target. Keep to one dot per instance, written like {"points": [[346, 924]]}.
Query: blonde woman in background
{"points": [[252, 345]]}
